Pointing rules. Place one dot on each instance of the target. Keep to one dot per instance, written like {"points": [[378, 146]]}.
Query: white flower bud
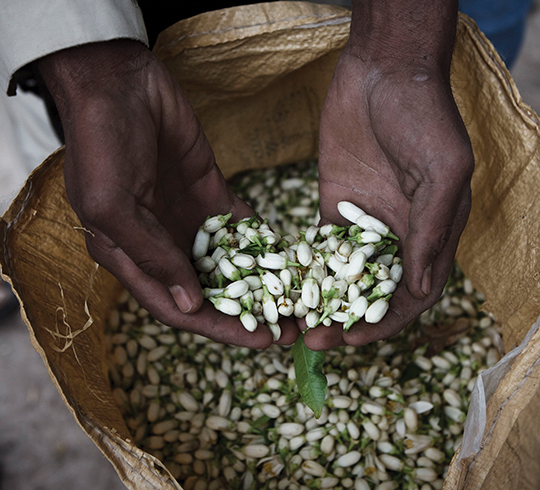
{"points": [[285, 306], [371, 429], [311, 234], [256, 451], [217, 236], [333, 243], [236, 289], [218, 254], [270, 311], [391, 462], [417, 443], [248, 320], [275, 329], [452, 398], [455, 414], [426, 474], [286, 277], [341, 287], [434, 454], [213, 224], [313, 468], [258, 294], [296, 443], [269, 236], [211, 292], [421, 406], [252, 235], [356, 310], [349, 211], [215, 422], [371, 223], [411, 419], [242, 227], [310, 293], [229, 270], [401, 428], [300, 309], [372, 407], [339, 316], [328, 482], [376, 311], [244, 261], [254, 282], [345, 249], [357, 262], [273, 283], [370, 237], [188, 402], [383, 273], [353, 430], [316, 434], [349, 459], [228, 306], [304, 254], [244, 242], [327, 285], [325, 230], [368, 249], [290, 429], [200, 244], [205, 264], [327, 444], [318, 272], [272, 261], [335, 264], [312, 318], [387, 286], [353, 292]]}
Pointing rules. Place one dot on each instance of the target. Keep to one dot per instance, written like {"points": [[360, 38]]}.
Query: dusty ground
{"points": [[41, 446]]}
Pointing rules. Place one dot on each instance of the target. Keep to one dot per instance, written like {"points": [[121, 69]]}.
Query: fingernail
{"points": [[181, 298], [426, 281]]}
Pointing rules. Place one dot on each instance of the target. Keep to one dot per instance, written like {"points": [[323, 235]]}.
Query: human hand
{"points": [[392, 141], [141, 176]]}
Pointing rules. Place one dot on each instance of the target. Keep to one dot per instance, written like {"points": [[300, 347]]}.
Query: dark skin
{"points": [[391, 141]]}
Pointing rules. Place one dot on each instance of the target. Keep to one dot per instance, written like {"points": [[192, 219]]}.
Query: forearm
{"points": [[410, 32]]}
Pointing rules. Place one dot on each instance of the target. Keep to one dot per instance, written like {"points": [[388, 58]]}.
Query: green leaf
{"points": [[310, 379]]}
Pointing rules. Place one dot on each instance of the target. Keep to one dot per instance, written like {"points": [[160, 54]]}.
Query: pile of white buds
{"points": [[326, 274], [226, 417]]}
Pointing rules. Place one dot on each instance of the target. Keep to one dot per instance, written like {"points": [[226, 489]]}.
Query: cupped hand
{"points": [[392, 141], [141, 176]]}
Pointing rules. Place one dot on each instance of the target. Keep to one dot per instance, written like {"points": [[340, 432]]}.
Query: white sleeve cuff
{"points": [[31, 29]]}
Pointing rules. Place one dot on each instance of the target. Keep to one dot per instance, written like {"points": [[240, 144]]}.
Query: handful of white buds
{"points": [[324, 274]]}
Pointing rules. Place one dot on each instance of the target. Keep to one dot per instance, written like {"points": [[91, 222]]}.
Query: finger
{"points": [[151, 252], [289, 332], [437, 218], [324, 338], [207, 321]]}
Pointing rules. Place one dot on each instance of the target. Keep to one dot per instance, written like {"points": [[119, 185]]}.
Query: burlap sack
{"points": [[257, 77]]}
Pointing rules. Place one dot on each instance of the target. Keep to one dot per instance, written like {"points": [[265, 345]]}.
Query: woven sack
{"points": [[257, 76]]}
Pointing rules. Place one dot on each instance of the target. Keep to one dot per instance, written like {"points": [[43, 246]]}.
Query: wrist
{"points": [[80, 70], [398, 34]]}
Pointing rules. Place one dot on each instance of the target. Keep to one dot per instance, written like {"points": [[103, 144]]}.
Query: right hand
{"points": [[141, 177]]}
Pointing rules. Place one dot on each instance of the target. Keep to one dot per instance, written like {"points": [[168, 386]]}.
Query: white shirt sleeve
{"points": [[31, 29]]}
